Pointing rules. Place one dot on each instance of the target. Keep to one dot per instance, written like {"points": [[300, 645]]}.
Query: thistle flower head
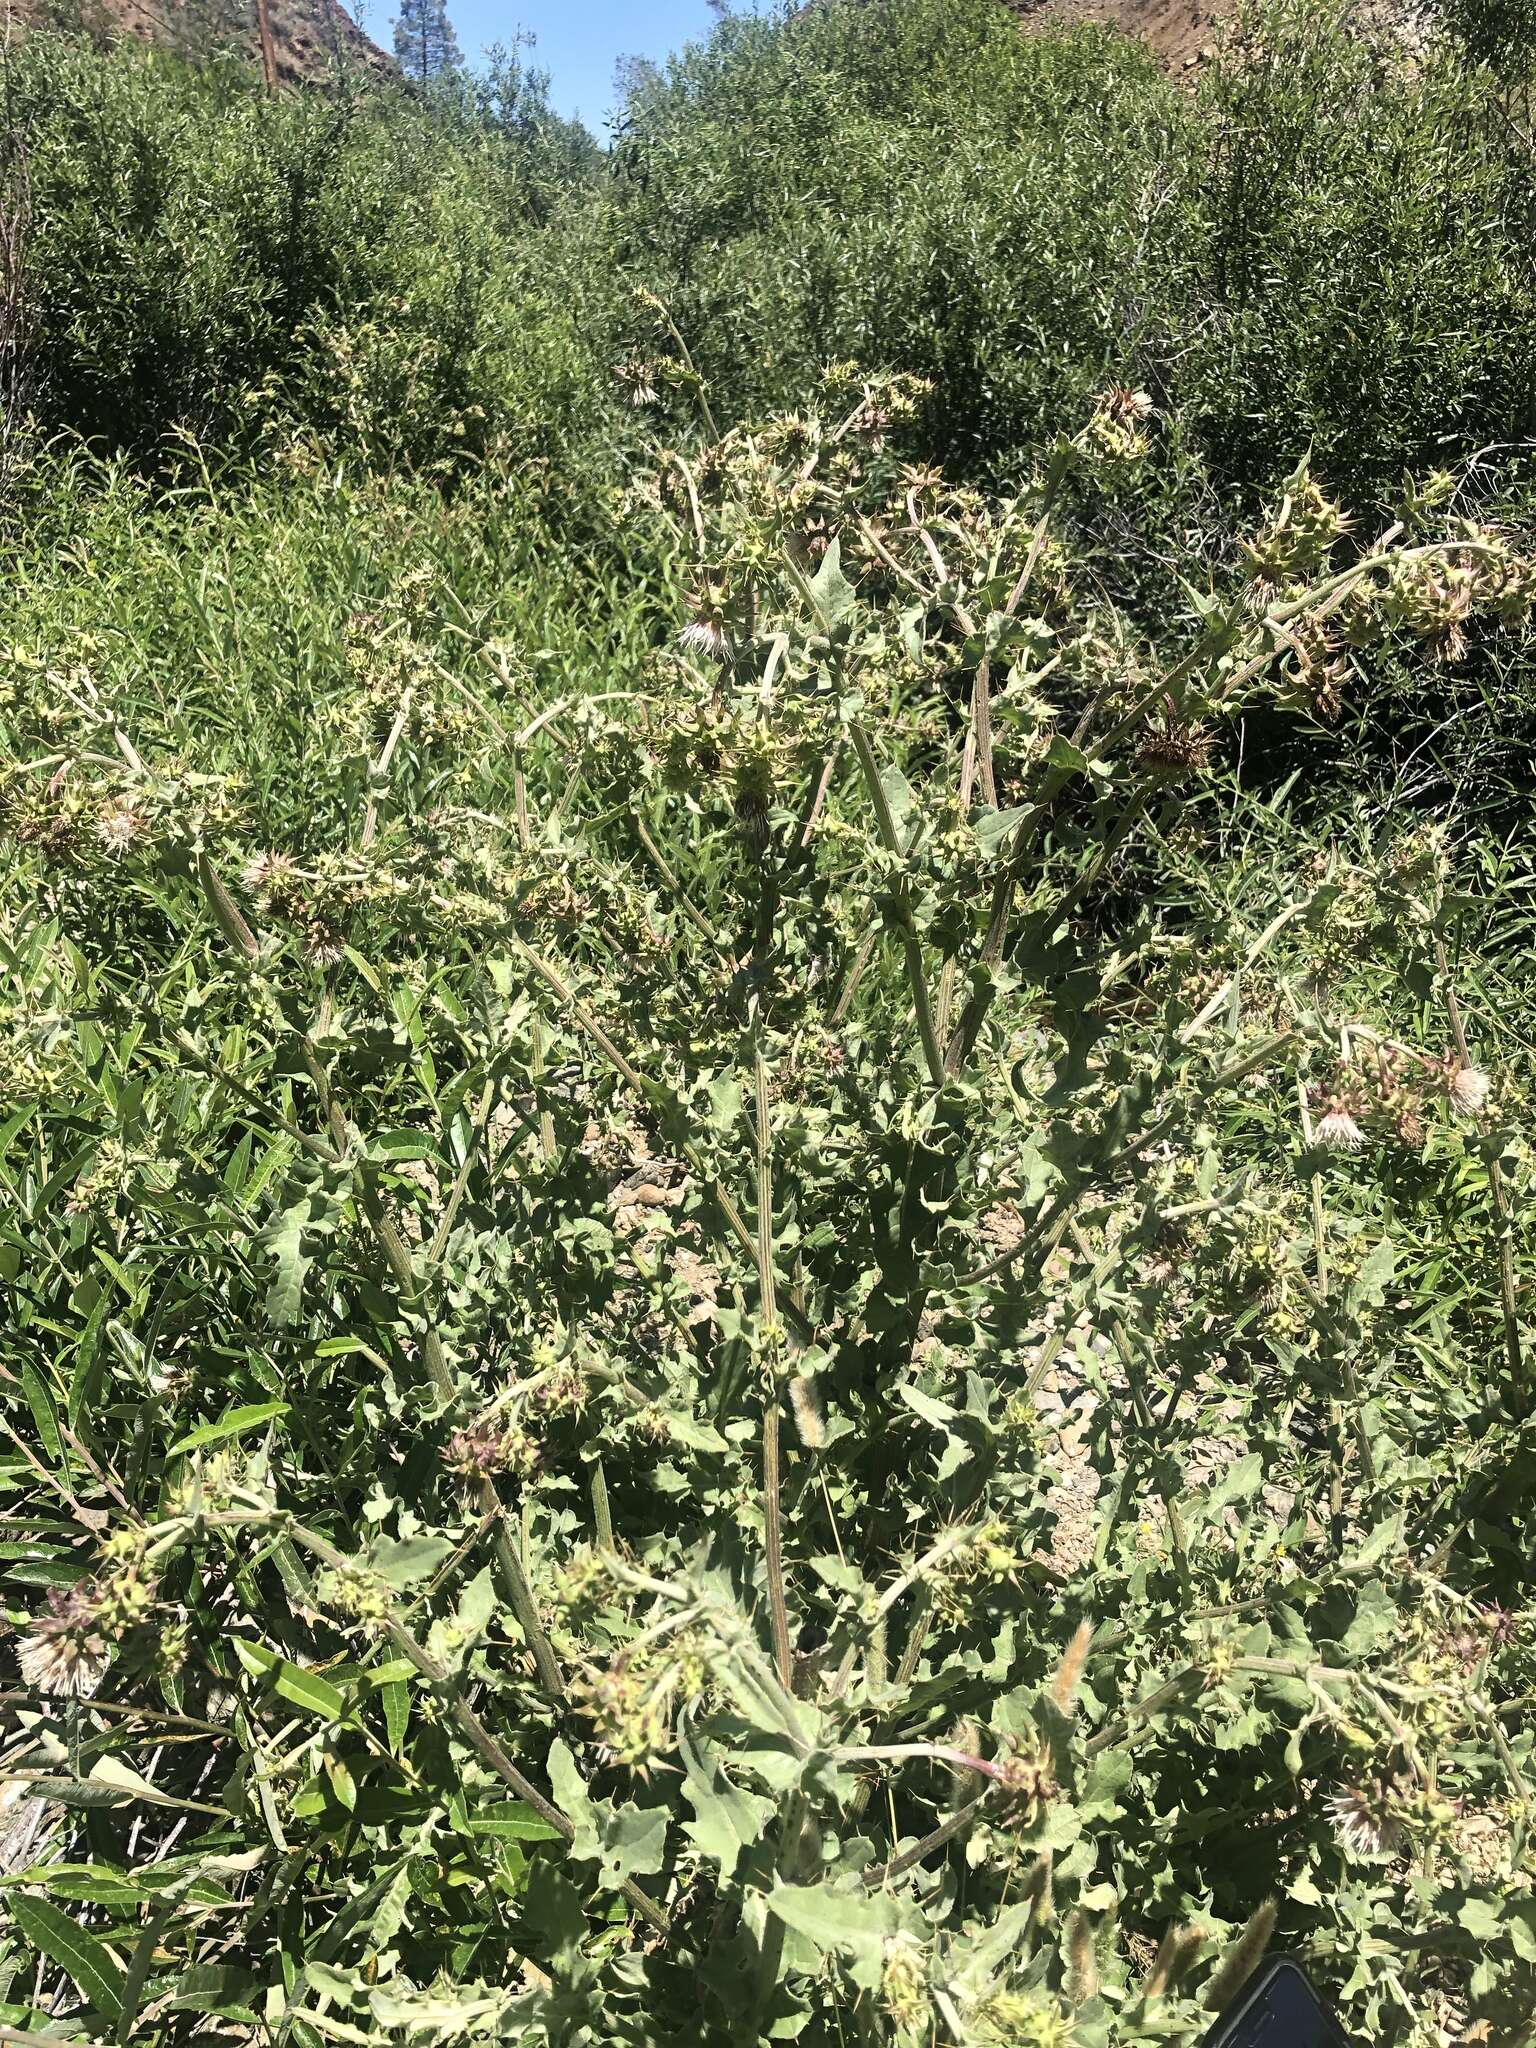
{"points": [[639, 380], [355, 1592], [1026, 2019], [873, 420], [1337, 1128], [1128, 406], [64, 1650], [124, 1594], [1364, 1820], [488, 1446], [752, 818], [322, 941], [1171, 749], [705, 631], [561, 1390], [266, 874], [922, 478], [1410, 1127], [1025, 1784], [1115, 428], [1467, 1088], [118, 828], [627, 1706]]}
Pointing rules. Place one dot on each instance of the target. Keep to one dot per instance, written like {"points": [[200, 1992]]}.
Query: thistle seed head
{"points": [[1171, 750]]}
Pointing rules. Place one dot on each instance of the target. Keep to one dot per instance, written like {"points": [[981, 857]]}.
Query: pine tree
{"points": [[425, 43]]}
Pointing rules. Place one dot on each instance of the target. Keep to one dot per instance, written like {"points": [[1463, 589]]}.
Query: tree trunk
{"points": [[268, 47]]}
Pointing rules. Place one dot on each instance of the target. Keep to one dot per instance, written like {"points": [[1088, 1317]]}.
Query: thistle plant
{"points": [[753, 1361]]}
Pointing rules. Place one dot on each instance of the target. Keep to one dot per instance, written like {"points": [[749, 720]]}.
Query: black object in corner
{"points": [[1278, 2009]]}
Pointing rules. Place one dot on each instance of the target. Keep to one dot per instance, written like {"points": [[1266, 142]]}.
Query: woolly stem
{"points": [[910, 943], [1509, 1297], [773, 1532]]}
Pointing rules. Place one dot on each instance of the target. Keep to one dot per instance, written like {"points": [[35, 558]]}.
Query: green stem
{"points": [[1509, 1296], [911, 945], [773, 1531], [946, 1831]]}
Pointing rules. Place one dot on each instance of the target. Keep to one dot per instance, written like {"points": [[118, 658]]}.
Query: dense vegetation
{"points": [[764, 937]]}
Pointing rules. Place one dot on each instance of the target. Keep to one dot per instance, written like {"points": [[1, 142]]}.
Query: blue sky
{"points": [[578, 42]]}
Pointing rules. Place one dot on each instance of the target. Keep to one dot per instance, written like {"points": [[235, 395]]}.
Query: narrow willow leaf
{"points": [[219, 1989], [303, 1688], [235, 1423], [80, 1955], [395, 1699], [40, 1401], [85, 1380]]}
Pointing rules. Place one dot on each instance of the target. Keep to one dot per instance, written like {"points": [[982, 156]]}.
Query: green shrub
{"points": [[915, 188], [205, 251], [1328, 245], [1362, 273]]}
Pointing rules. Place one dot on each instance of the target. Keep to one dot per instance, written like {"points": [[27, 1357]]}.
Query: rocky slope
{"points": [[1178, 32], [313, 40]]}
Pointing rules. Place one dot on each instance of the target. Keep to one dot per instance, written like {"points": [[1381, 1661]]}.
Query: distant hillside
{"points": [[312, 39], [1178, 32]]}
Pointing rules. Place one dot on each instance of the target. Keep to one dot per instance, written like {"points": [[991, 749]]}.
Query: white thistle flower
{"points": [[639, 380], [1468, 1089], [62, 1651], [1126, 404], [1363, 1822], [705, 631], [118, 827], [1339, 1131]]}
